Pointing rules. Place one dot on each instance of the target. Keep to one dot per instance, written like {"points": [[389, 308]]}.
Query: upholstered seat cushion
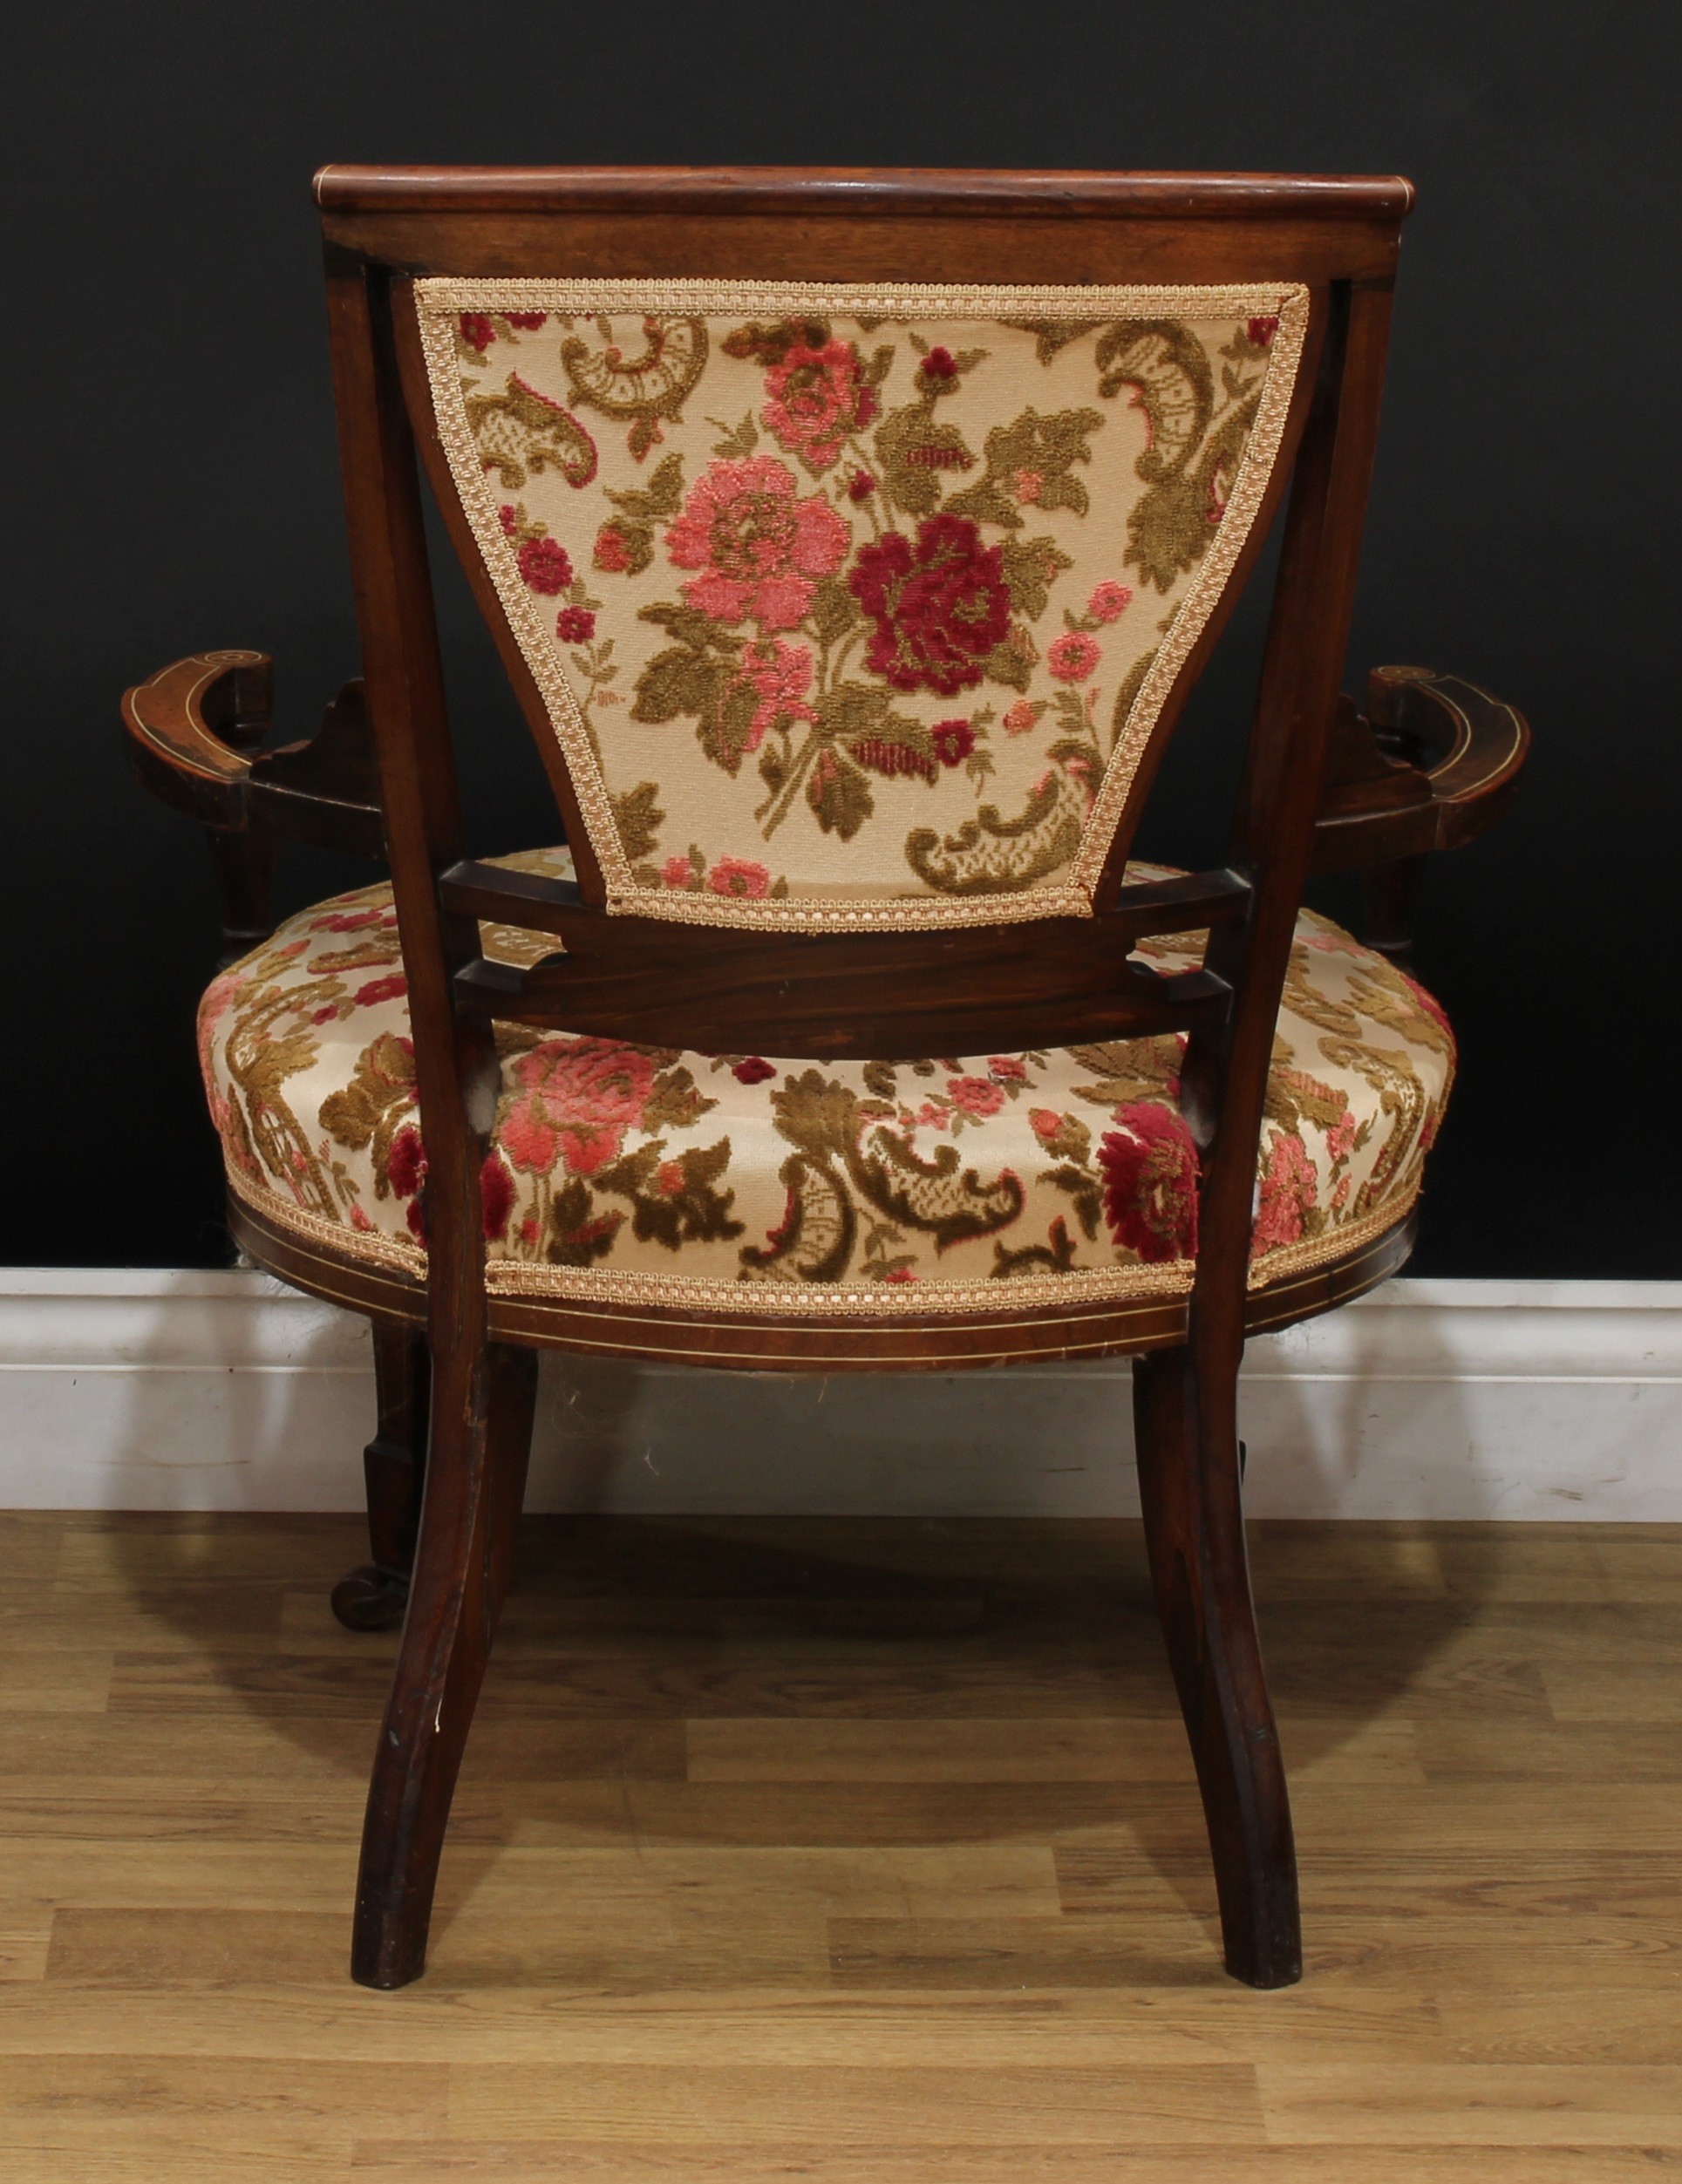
{"points": [[741, 1181]]}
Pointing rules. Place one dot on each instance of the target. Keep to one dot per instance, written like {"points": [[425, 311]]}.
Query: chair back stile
{"points": [[816, 966]]}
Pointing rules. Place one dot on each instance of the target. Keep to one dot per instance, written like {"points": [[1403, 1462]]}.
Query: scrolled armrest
{"points": [[194, 732], [192, 728], [1434, 762]]}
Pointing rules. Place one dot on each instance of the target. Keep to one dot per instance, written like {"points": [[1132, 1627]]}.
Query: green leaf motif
{"points": [[662, 496], [1031, 567], [638, 819], [833, 610], [840, 795], [1030, 462], [916, 454]]}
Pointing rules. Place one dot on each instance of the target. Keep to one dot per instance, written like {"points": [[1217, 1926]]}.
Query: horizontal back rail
{"points": [[828, 997]]}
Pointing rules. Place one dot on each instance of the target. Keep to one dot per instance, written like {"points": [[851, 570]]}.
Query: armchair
{"points": [[842, 1034]]}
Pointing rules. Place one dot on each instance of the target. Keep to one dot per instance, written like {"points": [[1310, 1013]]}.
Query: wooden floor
{"points": [[860, 1853]]}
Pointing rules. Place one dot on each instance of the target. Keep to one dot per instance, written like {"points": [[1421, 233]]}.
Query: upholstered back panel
{"points": [[857, 603]]}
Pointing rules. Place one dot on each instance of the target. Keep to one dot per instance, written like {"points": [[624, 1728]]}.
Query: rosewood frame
{"points": [[1324, 789]]}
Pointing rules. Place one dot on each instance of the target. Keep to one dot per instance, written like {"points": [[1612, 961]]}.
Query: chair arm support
{"points": [[194, 729], [1434, 761]]}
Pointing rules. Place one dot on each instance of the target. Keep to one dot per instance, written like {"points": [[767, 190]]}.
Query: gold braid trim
{"points": [[440, 300], [1203, 595], [785, 1300]]}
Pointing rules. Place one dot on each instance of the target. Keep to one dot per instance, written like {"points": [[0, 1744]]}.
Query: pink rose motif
{"points": [[1008, 1069], [1027, 485], [781, 675], [814, 398], [977, 1096], [577, 1099], [1020, 719], [611, 552], [677, 872], [1150, 1182], [546, 566], [1045, 1123], [1073, 657], [736, 877], [669, 1179], [359, 1218], [953, 740], [1290, 1190], [760, 550], [754, 1069], [1109, 600], [574, 625]]}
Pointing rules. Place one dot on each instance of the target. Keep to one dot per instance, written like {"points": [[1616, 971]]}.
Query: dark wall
{"points": [[176, 483]]}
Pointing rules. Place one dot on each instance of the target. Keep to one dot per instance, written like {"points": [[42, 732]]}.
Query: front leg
{"points": [[374, 1595]]}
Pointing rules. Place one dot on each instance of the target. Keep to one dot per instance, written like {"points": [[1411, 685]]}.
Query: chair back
{"points": [[851, 541]]}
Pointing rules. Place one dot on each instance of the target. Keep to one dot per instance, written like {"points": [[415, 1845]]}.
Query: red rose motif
{"points": [[1073, 657], [953, 740], [406, 1164], [860, 488], [495, 1196], [1150, 1182], [814, 398], [574, 625], [528, 322], [546, 566], [386, 989], [577, 1099], [477, 330], [1262, 330], [611, 552], [508, 516], [940, 606], [754, 1069], [1009, 1069], [939, 363], [760, 550]]}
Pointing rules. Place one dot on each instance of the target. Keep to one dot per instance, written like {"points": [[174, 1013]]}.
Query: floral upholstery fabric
{"points": [[744, 1183], [851, 595]]}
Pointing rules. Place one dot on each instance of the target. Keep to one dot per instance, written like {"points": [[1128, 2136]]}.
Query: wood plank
{"points": [[1211, 2104], [854, 1850]]}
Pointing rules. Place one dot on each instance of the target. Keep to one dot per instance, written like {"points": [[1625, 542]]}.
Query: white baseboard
{"points": [[124, 1390]]}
